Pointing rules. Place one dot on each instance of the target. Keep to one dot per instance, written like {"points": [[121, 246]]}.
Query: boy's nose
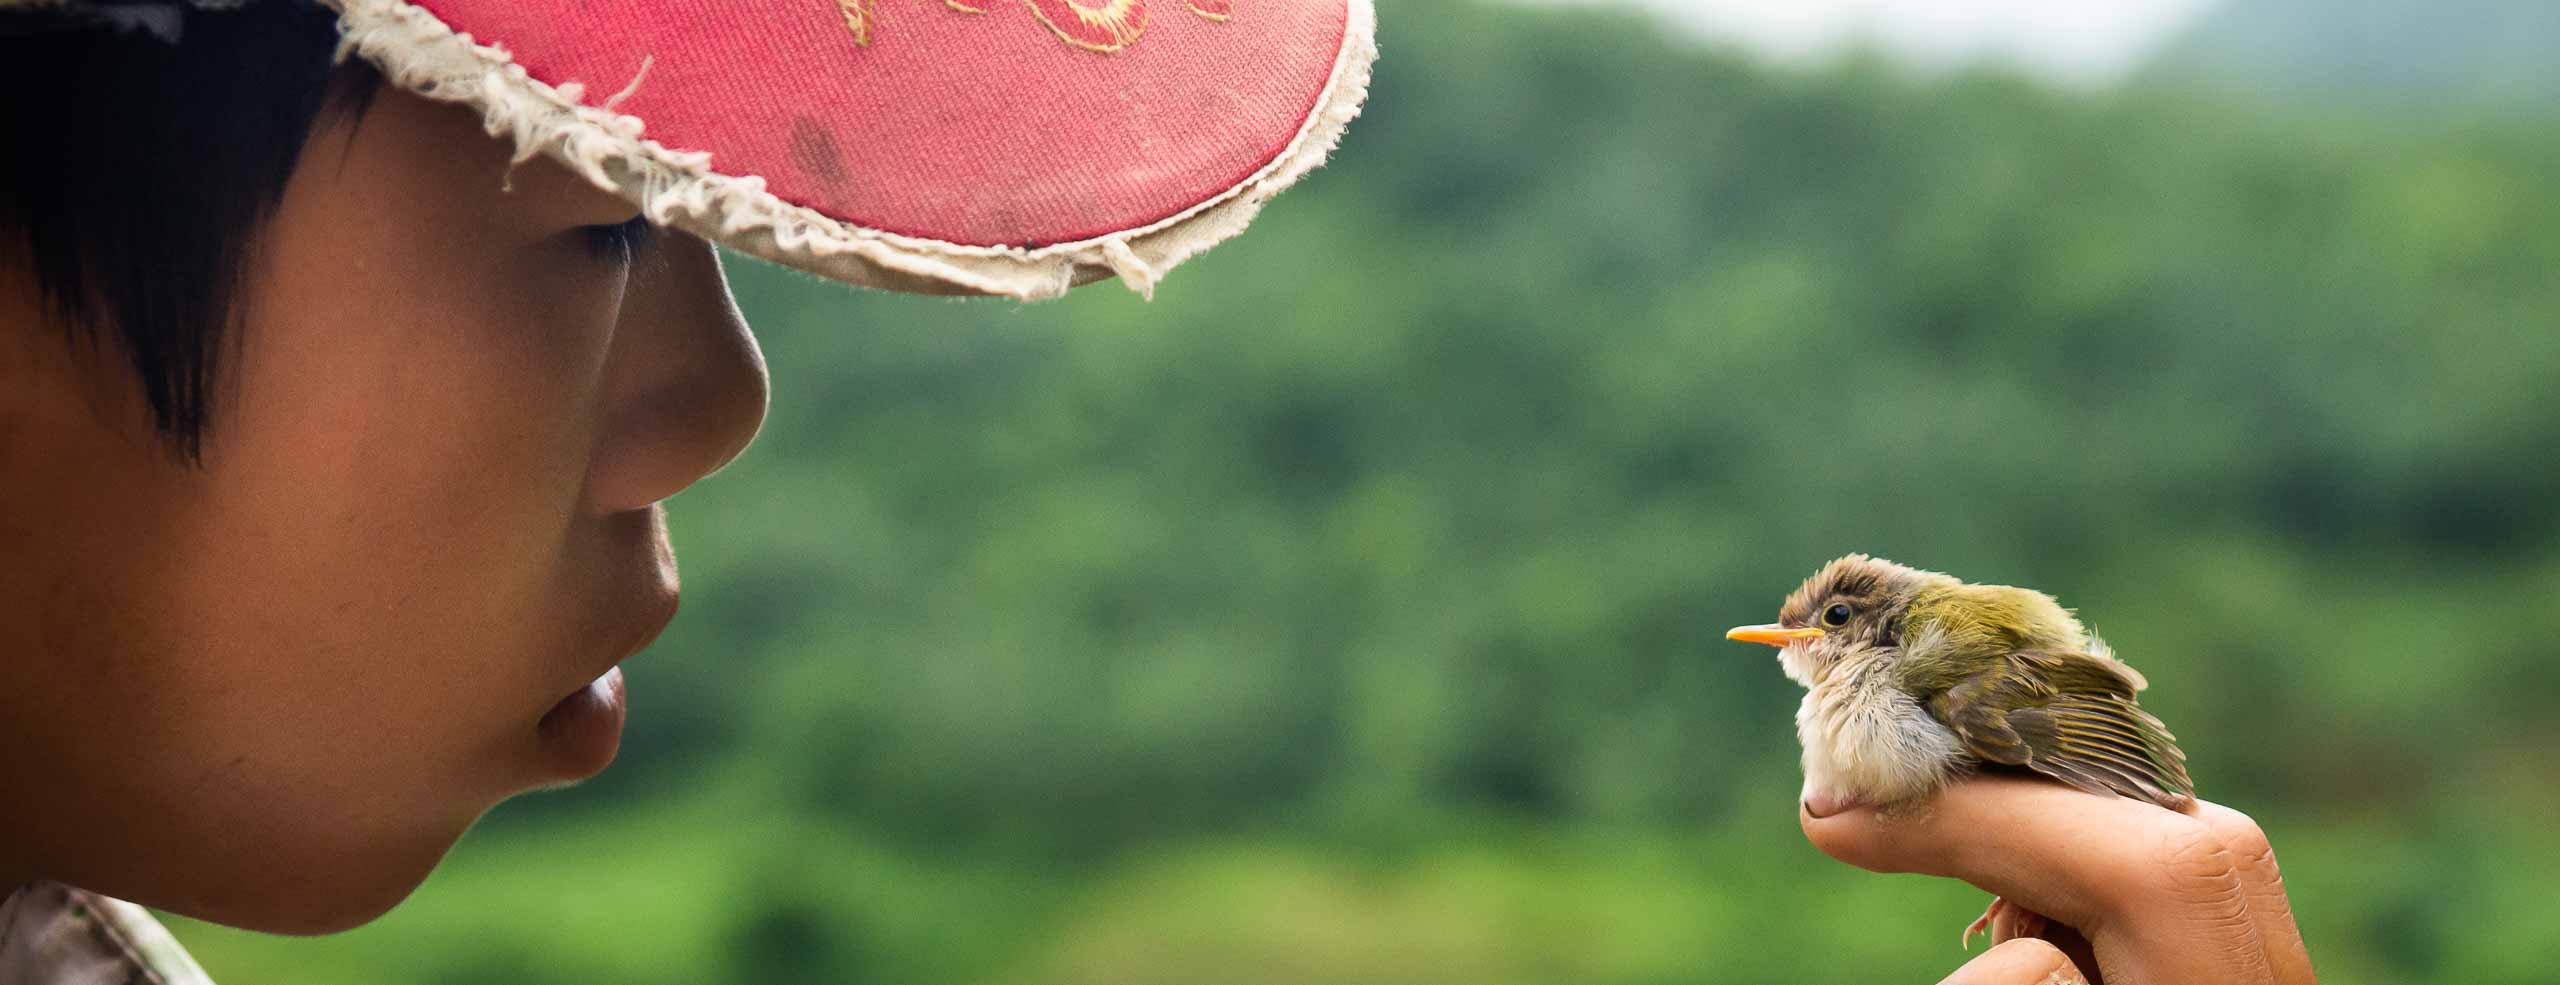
{"points": [[685, 385]]}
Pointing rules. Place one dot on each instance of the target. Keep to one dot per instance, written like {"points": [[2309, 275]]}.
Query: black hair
{"points": [[136, 170]]}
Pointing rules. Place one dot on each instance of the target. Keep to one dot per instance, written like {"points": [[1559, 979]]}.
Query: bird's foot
{"points": [[2006, 921], [1980, 923]]}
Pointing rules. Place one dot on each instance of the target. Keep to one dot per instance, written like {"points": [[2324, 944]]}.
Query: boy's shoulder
{"points": [[52, 934]]}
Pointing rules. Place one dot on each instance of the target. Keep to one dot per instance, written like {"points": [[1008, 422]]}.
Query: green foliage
{"points": [[1352, 612]]}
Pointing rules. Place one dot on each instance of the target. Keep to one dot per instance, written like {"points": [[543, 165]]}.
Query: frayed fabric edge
{"points": [[420, 53]]}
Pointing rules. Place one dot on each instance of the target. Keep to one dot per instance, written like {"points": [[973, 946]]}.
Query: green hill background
{"points": [[1353, 612], [2462, 57]]}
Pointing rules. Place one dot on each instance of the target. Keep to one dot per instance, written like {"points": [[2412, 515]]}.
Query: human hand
{"points": [[2142, 895]]}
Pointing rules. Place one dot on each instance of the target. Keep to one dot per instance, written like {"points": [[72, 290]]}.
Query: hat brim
{"points": [[707, 190]]}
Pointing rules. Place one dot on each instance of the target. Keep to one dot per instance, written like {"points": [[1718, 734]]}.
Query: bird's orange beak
{"points": [[1772, 634]]}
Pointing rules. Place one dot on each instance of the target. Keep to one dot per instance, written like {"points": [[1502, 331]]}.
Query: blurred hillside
{"points": [[2459, 56], [1353, 612]]}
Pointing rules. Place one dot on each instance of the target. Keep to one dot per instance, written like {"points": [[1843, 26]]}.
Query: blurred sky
{"points": [[2077, 41]]}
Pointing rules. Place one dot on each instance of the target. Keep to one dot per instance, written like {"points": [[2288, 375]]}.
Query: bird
{"points": [[1915, 679]]}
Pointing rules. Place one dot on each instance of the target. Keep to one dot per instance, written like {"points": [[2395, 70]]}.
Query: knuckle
{"points": [[2242, 837], [2189, 862], [2199, 896]]}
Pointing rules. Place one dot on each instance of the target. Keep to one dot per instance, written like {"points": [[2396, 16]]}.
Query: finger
{"points": [[2025, 961], [2071, 856], [2153, 889], [2074, 945], [2288, 961]]}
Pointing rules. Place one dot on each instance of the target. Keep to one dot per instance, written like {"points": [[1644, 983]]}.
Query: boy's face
{"points": [[271, 692]]}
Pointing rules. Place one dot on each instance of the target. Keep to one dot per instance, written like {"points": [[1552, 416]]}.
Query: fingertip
{"points": [[1851, 836], [2025, 961]]}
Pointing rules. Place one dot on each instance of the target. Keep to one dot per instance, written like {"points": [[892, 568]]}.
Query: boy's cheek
{"points": [[283, 803]]}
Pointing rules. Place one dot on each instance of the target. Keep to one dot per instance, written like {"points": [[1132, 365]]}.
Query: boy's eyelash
{"points": [[621, 240]]}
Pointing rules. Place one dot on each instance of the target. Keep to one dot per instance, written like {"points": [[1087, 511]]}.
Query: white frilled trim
{"points": [[678, 188]]}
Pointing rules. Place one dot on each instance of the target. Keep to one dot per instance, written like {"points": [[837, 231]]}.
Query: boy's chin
{"points": [[343, 910], [310, 894]]}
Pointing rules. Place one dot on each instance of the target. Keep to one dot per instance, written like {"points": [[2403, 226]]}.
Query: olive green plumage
{"points": [[1915, 678]]}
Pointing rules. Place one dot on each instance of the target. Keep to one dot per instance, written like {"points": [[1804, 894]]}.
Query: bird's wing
{"points": [[2070, 716]]}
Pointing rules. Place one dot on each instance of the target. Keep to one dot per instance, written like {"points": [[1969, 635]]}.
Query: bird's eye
{"points": [[1836, 615]]}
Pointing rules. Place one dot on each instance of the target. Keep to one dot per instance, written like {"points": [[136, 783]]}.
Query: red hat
{"points": [[1014, 147]]}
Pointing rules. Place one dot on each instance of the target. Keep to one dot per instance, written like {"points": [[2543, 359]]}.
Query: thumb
{"points": [[2025, 961]]}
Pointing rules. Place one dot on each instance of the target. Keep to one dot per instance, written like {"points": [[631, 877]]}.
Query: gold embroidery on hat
{"points": [[858, 17], [1114, 25], [1094, 25]]}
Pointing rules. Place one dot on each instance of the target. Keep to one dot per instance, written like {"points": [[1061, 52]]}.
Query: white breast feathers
{"points": [[1868, 742]]}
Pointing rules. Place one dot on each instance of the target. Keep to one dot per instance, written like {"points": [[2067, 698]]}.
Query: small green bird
{"points": [[1915, 679]]}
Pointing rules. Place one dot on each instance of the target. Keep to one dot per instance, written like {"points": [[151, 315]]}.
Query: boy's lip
{"points": [[650, 619], [581, 732], [653, 621]]}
